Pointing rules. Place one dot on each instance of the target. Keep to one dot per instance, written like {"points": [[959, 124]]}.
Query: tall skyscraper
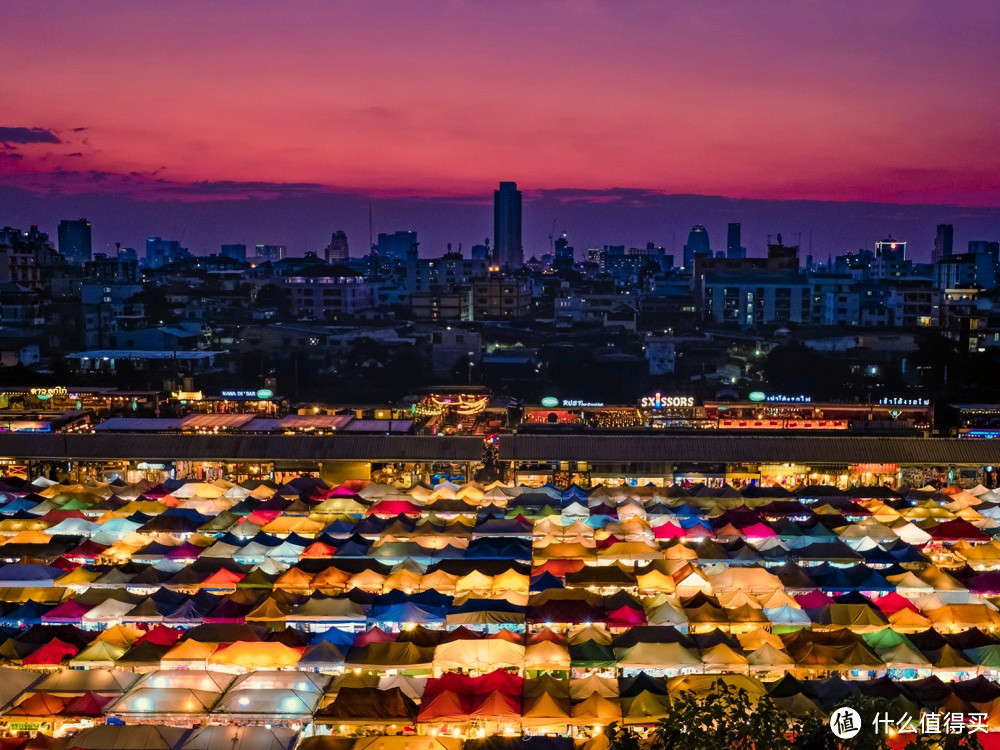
{"points": [[943, 241], [734, 246], [235, 252], [508, 252], [74, 240], [337, 249], [697, 244]]}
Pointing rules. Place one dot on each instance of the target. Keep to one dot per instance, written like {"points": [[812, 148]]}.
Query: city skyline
{"points": [[303, 217]]}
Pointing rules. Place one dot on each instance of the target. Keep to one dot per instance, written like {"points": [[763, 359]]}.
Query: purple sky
{"points": [[108, 108]]}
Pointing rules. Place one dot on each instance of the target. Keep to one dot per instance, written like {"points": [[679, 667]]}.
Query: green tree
{"points": [[726, 717]]}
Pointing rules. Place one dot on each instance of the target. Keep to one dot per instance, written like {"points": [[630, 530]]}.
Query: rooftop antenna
{"points": [[371, 239], [552, 247]]}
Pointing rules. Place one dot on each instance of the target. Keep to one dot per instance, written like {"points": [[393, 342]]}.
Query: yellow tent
{"points": [[256, 655], [596, 709], [188, 654], [546, 655], [121, 635], [546, 711]]}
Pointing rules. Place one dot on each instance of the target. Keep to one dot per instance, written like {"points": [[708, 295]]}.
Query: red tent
{"points": [[89, 550], [626, 617], [222, 578], [393, 508], [185, 551], [497, 681], [318, 549], [261, 517], [161, 635], [893, 602], [558, 568], [69, 611], [446, 706], [375, 635], [88, 704], [40, 704], [759, 531], [956, 530], [668, 530], [52, 652], [497, 706]]}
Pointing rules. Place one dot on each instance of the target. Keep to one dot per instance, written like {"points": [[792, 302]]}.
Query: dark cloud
{"points": [[79, 130], [75, 153], [28, 135]]}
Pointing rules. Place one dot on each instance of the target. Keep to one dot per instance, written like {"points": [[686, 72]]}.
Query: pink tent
{"points": [[813, 599]]}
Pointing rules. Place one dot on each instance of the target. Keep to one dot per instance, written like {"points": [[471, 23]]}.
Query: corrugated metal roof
{"points": [[215, 421], [137, 424], [170, 446], [845, 449], [836, 450]]}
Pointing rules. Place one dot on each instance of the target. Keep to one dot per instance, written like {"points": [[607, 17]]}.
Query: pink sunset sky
{"points": [[875, 101]]}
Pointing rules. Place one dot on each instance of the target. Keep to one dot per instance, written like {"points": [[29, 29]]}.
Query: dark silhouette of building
{"points": [[337, 249], [270, 253], [480, 252], [734, 246], [985, 247], [235, 252], [508, 251], [697, 244], [74, 241], [397, 246], [943, 241], [160, 252], [564, 253]]}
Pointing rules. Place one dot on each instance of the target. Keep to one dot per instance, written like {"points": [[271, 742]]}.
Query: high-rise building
{"points": [[337, 249], [270, 253], [697, 244], [74, 241], [480, 252], [734, 246], [564, 253], [508, 251], [943, 241], [235, 252], [398, 245]]}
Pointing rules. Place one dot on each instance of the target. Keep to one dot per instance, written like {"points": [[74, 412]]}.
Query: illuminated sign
{"points": [[187, 395], [45, 394], [659, 401], [550, 401], [575, 403], [782, 424], [757, 396], [780, 398], [464, 404], [904, 402], [265, 393], [239, 394]]}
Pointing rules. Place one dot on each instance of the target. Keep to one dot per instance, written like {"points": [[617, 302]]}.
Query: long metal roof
{"points": [[843, 449]]}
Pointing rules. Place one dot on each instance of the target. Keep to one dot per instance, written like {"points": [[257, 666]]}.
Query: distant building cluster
{"points": [[497, 315]]}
